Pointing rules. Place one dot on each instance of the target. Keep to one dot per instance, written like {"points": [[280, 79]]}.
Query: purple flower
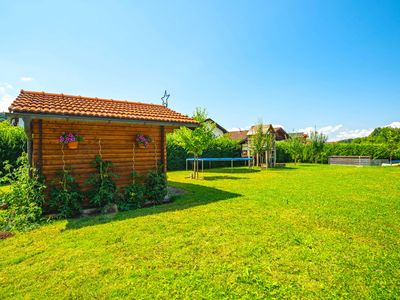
{"points": [[69, 137], [143, 139]]}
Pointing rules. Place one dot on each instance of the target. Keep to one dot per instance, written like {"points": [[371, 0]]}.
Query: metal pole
{"points": [[202, 166], [186, 164]]}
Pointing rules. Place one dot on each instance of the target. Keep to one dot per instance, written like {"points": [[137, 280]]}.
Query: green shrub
{"points": [[176, 155], [375, 151], [156, 186], [66, 197], [222, 147], [103, 189], [133, 195], [25, 198], [378, 136], [219, 147], [283, 152], [12, 143], [295, 148]]}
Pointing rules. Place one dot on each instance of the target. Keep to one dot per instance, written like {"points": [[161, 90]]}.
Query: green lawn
{"points": [[299, 232], [4, 188]]}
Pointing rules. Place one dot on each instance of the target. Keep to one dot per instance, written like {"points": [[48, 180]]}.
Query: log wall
{"points": [[115, 141]]}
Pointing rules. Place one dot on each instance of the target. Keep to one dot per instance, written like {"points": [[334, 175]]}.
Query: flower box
{"points": [[71, 139], [73, 145], [142, 141]]}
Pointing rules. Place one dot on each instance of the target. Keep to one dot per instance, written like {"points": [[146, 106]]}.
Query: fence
{"points": [[350, 160], [355, 161]]}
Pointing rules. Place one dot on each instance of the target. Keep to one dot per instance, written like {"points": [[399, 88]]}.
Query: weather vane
{"points": [[165, 99]]}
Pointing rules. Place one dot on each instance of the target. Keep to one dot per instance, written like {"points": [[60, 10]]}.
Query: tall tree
{"points": [[317, 141], [391, 139], [269, 145], [195, 141], [295, 146], [262, 142], [258, 142]]}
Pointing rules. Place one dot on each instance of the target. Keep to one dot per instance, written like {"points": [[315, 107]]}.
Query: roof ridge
{"points": [[89, 98], [52, 103]]}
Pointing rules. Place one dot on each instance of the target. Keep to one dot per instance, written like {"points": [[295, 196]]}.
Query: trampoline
{"points": [[211, 159]]}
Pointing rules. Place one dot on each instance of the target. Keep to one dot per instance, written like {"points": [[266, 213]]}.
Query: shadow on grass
{"points": [[308, 165], [245, 170], [277, 169], [235, 170], [211, 178], [196, 195]]}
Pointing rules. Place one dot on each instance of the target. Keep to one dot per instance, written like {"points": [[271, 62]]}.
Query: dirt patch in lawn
{"points": [[5, 234]]}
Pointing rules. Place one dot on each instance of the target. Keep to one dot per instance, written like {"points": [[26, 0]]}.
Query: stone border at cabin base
{"points": [[171, 193]]}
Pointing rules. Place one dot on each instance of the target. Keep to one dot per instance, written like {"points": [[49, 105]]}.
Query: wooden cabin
{"points": [[108, 128]]}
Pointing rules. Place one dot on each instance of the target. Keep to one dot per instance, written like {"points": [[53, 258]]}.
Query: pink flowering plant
{"points": [[69, 137], [142, 139]]}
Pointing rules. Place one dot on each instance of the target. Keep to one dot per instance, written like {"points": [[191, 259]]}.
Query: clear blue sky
{"points": [[294, 63]]}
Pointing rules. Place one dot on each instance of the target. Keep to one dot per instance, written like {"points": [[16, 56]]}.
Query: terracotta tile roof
{"points": [[68, 105], [242, 135], [265, 129], [238, 135], [281, 134]]}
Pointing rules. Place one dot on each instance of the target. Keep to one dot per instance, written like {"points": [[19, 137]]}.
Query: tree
{"points": [[379, 135], [195, 141], [262, 142], [258, 142], [317, 141], [295, 147], [269, 144], [391, 139]]}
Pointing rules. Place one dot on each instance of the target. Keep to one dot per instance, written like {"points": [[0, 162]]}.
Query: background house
{"points": [[218, 130], [269, 157], [238, 135], [244, 138], [108, 126], [280, 134], [300, 135]]}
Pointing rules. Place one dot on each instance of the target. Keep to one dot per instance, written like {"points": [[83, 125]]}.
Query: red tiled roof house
{"points": [[244, 138], [108, 127]]}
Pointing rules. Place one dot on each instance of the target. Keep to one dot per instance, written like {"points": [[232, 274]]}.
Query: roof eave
{"points": [[98, 119], [217, 125]]}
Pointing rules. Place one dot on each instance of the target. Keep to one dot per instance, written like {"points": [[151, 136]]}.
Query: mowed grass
{"points": [[4, 188], [305, 231]]}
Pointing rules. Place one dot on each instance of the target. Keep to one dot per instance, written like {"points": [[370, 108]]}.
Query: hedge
{"points": [[12, 143], [375, 151], [220, 147]]}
